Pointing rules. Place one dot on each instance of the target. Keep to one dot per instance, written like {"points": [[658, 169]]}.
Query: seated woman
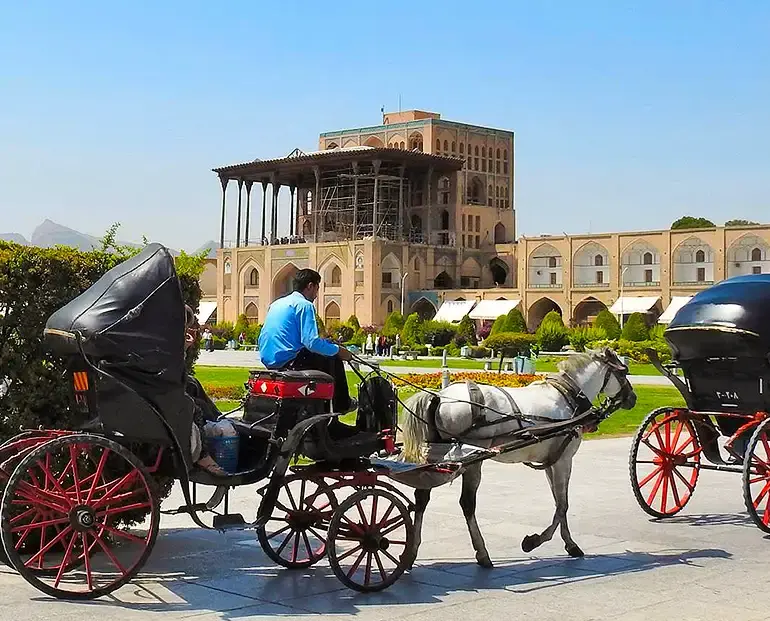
{"points": [[205, 410]]}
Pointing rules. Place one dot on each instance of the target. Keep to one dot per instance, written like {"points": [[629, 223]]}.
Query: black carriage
{"points": [[69, 494], [720, 341]]}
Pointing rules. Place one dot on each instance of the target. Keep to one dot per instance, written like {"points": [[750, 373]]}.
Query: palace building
{"points": [[417, 214]]}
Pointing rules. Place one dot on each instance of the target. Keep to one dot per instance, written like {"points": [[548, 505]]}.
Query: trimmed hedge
{"points": [[511, 343]]}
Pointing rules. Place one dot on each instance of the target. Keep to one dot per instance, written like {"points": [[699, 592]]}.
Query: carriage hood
{"points": [[133, 316], [732, 318]]}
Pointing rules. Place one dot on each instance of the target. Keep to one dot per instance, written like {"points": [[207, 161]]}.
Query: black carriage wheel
{"points": [[756, 476], [61, 517], [295, 534], [664, 463], [371, 537]]}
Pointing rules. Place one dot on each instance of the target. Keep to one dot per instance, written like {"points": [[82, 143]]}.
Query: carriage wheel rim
{"points": [[370, 540], [665, 463], [71, 498], [756, 477]]}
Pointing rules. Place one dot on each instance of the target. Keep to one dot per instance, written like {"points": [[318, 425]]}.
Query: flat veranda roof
{"points": [[293, 169]]}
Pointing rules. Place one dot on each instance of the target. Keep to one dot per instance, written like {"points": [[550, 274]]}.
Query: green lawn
{"points": [[621, 423]]}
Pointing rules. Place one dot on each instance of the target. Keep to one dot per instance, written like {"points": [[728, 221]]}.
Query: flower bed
{"points": [[432, 381]]}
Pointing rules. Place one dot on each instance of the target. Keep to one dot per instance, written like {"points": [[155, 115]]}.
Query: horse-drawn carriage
{"points": [[71, 496], [720, 340]]}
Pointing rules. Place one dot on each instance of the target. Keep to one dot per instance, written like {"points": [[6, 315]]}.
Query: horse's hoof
{"points": [[530, 542], [574, 551], [485, 562]]}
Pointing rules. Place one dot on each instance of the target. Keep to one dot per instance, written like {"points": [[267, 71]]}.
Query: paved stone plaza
{"points": [[708, 563]]}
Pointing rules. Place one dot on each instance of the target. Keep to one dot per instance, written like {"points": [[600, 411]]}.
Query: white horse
{"points": [[487, 416]]}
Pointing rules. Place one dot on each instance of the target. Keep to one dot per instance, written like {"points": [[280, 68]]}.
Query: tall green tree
{"points": [[691, 222]]}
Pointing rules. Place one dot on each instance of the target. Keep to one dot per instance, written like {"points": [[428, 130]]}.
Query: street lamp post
{"points": [[622, 280], [403, 278]]}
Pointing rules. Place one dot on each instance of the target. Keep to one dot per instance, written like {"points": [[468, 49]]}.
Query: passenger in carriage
{"points": [[289, 339], [205, 410]]}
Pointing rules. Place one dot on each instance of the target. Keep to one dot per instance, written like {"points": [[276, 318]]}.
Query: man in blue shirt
{"points": [[289, 339]]}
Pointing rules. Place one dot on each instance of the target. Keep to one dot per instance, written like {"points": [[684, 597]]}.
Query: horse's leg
{"points": [[471, 482], [421, 499], [558, 478]]}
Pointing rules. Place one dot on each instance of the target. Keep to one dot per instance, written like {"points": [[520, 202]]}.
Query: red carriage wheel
{"points": [[295, 534], [63, 512], [665, 462], [370, 540], [756, 476]]}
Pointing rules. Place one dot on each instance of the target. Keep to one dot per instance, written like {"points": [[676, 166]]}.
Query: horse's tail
{"points": [[415, 426]]}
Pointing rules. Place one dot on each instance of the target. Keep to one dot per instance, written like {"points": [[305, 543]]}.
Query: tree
{"points": [[553, 318], [739, 222], [691, 222], [466, 332], [607, 322], [635, 329], [516, 321], [500, 325], [393, 324], [511, 344], [410, 335], [354, 323]]}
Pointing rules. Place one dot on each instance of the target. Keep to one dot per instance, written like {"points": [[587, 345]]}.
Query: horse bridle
{"points": [[614, 367]]}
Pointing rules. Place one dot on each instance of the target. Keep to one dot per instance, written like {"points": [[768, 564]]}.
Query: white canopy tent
{"points": [[205, 311], [628, 305], [492, 309], [454, 311], [677, 302]]}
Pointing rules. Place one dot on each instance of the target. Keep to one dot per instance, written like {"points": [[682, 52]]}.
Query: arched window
{"points": [[756, 254], [446, 145], [228, 267], [402, 144], [476, 150], [462, 148], [390, 306], [700, 256], [497, 191], [438, 145], [483, 151], [505, 154], [551, 261], [647, 258], [254, 277], [498, 153], [598, 260], [390, 145], [336, 280], [453, 146], [445, 220]]}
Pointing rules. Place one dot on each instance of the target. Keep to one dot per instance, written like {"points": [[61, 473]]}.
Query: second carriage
{"points": [[720, 342]]}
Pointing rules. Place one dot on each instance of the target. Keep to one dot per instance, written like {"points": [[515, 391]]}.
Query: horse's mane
{"points": [[574, 363]]}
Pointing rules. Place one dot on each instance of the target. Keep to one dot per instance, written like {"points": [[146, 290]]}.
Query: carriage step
{"points": [[201, 506], [231, 521]]}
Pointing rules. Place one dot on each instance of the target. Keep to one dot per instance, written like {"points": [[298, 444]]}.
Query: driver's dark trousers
{"points": [[306, 360]]}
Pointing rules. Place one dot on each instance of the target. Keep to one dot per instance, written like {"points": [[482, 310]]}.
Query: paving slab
{"points": [[710, 562]]}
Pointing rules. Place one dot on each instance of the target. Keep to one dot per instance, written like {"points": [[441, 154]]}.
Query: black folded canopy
{"points": [[132, 316], [730, 319]]}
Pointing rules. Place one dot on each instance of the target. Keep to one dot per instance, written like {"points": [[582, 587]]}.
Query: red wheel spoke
{"points": [[368, 572], [655, 450], [675, 442], [395, 523], [295, 548], [649, 477], [87, 561], [374, 511], [766, 515], [294, 505], [655, 488], [380, 568], [55, 482], [75, 476], [308, 547], [66, 560], [110, 511], [674, 490], [664, 495], [21, 516], [392, 558], [110, 555], [278, 532], [48, 546], [350, 552], [688, 442], [44, 524], [364, 523], [381, 523], [21, 539], [107, 496], [37, 496], [761, 495], [356, 565], [285, 541], [98, 474], [689, 486]]}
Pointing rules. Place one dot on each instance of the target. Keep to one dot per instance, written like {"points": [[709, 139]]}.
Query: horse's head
{"points": [[615, 385]]}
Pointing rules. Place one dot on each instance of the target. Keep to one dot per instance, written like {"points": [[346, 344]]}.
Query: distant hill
{"points": [[211, 246], [50, 233], [14, 237]]}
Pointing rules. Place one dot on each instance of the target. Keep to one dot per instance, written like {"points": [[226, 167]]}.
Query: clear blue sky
{"points": [[626, 115]]}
